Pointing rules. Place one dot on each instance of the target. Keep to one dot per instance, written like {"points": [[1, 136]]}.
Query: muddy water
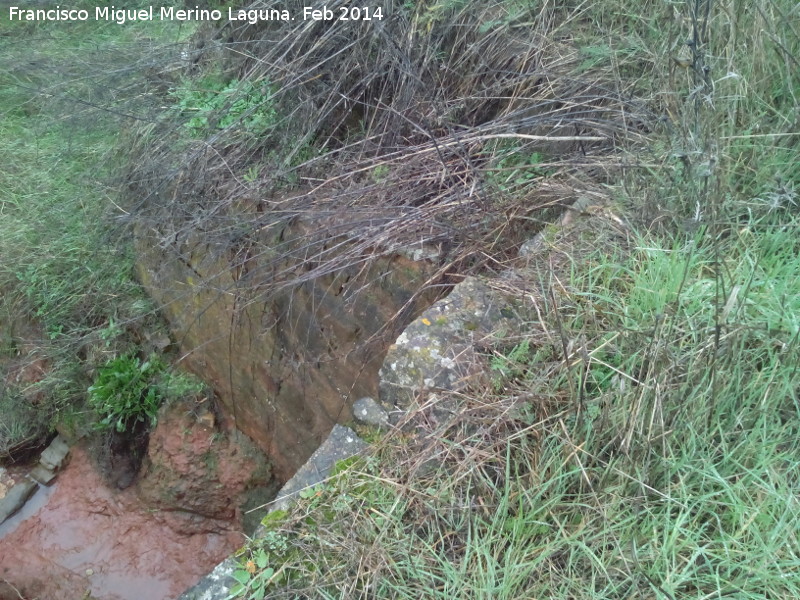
{"points": [[88, 539], [30, 508]]}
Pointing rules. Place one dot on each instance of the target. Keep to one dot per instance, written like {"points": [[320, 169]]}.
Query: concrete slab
{"points": [[16, 498]]}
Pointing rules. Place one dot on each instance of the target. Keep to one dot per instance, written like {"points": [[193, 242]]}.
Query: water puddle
{"points": [[78, 537]]}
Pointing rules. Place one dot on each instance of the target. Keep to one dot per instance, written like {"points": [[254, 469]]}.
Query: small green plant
{"points": [[110, 332], [513, 166], [251, 175], [253, 577], [512, 365], [509, 363], [180, 384], [380, 172], [125, 392], [255, 574], [212, 103]]}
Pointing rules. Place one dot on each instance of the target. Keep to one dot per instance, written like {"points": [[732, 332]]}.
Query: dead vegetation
{"points": [[456, 126]]}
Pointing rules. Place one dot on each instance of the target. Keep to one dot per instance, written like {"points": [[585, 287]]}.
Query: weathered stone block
{"points": [[54, 455], [16, 498], [367, 411], [438, 350]]}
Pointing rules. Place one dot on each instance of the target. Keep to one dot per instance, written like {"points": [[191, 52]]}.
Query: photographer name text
{"points": [[154, 13]]}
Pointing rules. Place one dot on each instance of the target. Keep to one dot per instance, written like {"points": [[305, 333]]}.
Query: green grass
{"points": [[673, 478], [58, 157], [659, 457], [65, 101]]}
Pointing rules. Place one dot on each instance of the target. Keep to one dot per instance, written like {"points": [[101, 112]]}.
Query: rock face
{"points": [[286, 363], [192, 469]]}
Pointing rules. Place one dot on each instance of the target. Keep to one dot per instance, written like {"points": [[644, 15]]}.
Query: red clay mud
{"points": [[88, 539]]}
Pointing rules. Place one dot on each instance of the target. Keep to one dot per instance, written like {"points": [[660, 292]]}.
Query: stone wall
{"points": [[287, 364]]}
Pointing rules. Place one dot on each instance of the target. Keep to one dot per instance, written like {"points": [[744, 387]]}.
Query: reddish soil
{"points": [[88, 539]]}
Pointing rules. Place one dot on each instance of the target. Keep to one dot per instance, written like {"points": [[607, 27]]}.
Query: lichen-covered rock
{"points": [[439, 350], [369, 412]]}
